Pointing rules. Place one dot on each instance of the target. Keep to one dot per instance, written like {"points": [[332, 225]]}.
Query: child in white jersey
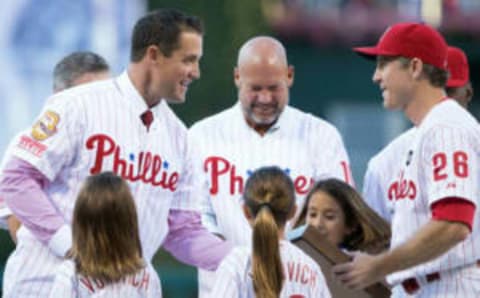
{"points": [[339, 212], [106, 255], [273, 267]]}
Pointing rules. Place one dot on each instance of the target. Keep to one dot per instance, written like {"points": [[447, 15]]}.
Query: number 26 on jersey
{"points": [[442, 163]]}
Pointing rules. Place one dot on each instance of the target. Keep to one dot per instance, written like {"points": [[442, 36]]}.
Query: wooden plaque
{"points": [[326, 255]]}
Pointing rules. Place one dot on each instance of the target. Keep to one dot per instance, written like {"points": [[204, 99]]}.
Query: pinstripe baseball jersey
{"points": [[69, 284], [303, 277], [441, 162], [306, 147], [381, 173], [94, 128]]}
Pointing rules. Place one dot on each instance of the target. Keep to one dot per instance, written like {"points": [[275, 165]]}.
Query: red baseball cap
{"points": [[410, 40], [458, 68]]}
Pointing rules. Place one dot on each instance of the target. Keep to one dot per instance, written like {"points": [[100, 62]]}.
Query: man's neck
{"points": [[422, 103], [141, 81]]}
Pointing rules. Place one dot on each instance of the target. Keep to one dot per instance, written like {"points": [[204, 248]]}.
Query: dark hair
{"points": [[162, 28], [370, 232], [106, 243], [436, 76], [270, 196], [75, 65]]}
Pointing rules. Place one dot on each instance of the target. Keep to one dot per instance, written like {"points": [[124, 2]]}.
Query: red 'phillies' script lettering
{"points": [[402, 189], [148, 167], [218, 167]]}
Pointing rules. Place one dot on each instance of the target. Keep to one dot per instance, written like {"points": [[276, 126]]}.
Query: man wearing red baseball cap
{"points": [[381, 169], [435, 192], [458, 84]]}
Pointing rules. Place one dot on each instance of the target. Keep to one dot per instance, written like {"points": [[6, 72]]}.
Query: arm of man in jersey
{"points": [[450, 176], [188, 240], [37, 159]]}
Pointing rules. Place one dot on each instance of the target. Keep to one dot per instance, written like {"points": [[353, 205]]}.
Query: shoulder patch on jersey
{"points": [[46, 126], [30, 145]]}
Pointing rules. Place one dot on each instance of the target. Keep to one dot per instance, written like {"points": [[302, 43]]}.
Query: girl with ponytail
{"points": [[272, 267]]}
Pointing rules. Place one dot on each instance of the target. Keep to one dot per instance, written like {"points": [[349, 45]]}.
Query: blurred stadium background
{"points": [[330, 81]]}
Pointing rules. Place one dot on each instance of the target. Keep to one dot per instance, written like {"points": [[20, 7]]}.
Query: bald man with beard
{"points": [[260, 129]]}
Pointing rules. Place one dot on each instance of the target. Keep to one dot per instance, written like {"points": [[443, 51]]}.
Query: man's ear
{"points": [[416, 68], [469, 92], [236, 77], [290, 75], [153, 54]]}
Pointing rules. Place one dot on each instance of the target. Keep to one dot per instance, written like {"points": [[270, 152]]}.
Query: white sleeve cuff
{"points": [[61, 241], [5, 212]]}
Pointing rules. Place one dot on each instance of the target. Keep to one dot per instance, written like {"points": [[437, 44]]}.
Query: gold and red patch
{"points": [[46, 126]]}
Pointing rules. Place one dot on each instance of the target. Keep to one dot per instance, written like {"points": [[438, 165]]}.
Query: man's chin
{"points": [[176, 99], [261, 121]]}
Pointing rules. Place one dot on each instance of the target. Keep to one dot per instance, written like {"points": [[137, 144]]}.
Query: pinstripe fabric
{"points": [[446, 130], [228, 150], [68, 284], [100, 130], [381, 172], [303, 277]]}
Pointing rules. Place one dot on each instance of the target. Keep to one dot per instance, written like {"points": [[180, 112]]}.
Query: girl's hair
{"points": [[106, 244], [270, 196], [370, 232]]}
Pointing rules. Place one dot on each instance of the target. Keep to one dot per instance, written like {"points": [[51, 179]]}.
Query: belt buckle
{"points": [[411, 285]]}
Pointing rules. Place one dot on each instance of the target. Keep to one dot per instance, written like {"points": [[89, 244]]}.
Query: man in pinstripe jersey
{"points": [[435, 227], [72, 70], [261, 129], [379, 175], [122, 125]]}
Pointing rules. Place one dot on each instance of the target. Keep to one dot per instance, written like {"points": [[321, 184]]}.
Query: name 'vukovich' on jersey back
{"points": [[303, 277], [69, 284], [96, 128]]}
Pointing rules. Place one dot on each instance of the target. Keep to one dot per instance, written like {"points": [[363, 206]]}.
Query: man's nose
{"points": [[264, 96]]}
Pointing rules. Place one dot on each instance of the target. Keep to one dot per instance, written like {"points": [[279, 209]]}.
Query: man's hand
{"points": [[13, 225], [361, 272]]}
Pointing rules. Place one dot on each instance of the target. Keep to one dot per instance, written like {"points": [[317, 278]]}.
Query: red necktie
{"points": [[147, 118]]}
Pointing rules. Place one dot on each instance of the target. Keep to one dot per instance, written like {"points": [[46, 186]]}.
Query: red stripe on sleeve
{"points": [[454, 209]]}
